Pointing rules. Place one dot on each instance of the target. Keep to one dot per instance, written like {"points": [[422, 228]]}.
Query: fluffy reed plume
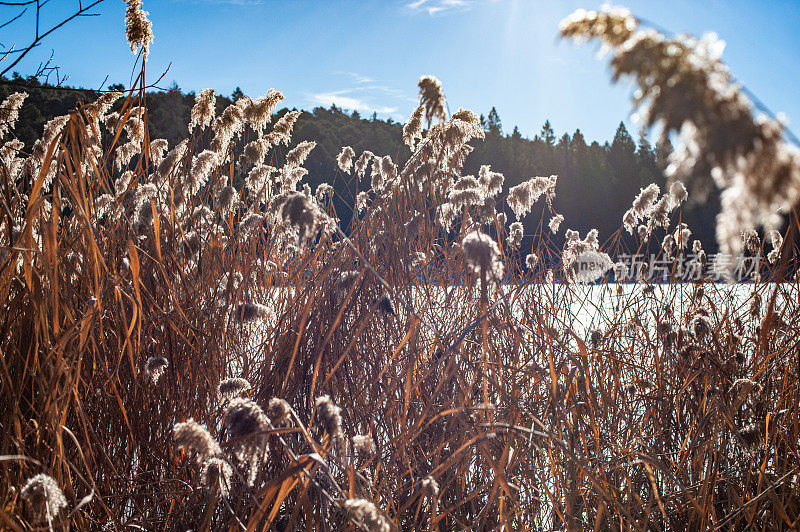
{"points": [[171, 160], [522, 197], [700, 325], [103, 103], [431, 97], [776, 240], [345, 159], [195, 440], [363, 444], [102, 203], [217, 472], [154, 368], [135, 128], [290, 177], [718, 132], [255, 151], [202, 218], [596, 337], [246, 424], [482, 255], [465, 192], [668, 244], [52, 130], [323, 193], [125, 153], [278, 411], [412, 130], [298, 154], [446, 214], [750, 240], [9, 158], [515, 233], [643, 203], [682, 235], [227, 126], [250, 225], [157, 149], [745, 391], [258, 112], [752, 436], [9, 111], [388, 169], [202, 166], [232, 387], [227, 199], [376, 176], [258, 182], [678, 193], [642, 207], [282, 131], [203, 110], [384, 305], [555, 223], [491, 182], [251, 312], [44, 498], [531, 260], [659, 216], [429, 487], [366, 515], [138, 29], [362, 162], [583, 262], [330, 420], [299, 213], [464, 126]]}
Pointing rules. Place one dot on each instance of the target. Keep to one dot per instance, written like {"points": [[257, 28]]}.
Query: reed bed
{"points": [[182, 353]]}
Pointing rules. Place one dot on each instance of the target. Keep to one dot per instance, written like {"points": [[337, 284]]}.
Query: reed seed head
{"points": [[367, 515], [482, 255], [194, 439], [138, 29], [362, 443], [217, 472], [44, 497], [154, 368], [330, 419], [555, 223], [9, 111], [345, 159], [246, 424], [431, 97], [278, 411], [232, 387], [251, 312]]}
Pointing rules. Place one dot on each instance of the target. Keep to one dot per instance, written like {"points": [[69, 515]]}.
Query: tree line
{"points": [[596, 182]]}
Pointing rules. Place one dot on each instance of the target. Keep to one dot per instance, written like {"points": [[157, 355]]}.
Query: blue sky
{"points": [[368, 55]]}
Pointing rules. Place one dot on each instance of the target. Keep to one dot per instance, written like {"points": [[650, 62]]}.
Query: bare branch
{"points": [[80, 12], [4, 24]]}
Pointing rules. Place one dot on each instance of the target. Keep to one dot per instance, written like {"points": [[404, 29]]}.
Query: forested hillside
{"points": [[596, 182]]}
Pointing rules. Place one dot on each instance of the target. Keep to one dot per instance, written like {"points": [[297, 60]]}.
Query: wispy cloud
{"points": [[435, 7], [364, 94], [358, 78], [243, 3], [346, 100]]}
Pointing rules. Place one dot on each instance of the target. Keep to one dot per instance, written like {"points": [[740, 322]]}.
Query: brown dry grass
{"points": [[622, 433]]}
